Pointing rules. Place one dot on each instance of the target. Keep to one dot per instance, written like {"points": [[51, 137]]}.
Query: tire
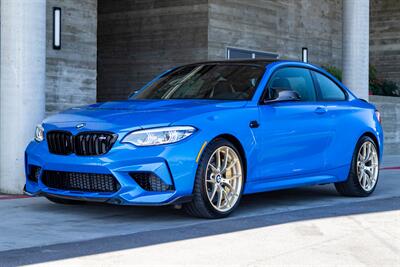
{"points": [[354, 185], [65, 201], [213, 198]]}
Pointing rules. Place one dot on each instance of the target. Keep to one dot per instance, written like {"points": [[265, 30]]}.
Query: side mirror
{"points": [[282, 95]]}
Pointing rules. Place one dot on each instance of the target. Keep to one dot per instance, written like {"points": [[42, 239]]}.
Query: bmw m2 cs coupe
{"points": [[204, 134]]}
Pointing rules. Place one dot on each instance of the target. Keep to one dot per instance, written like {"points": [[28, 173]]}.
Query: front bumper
{"points": [[174, 164]]}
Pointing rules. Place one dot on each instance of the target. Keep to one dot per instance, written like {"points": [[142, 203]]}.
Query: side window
{"points": [[329, 90], [296, 79]]}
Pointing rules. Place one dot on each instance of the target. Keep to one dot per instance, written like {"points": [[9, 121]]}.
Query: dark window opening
{"points": [[329, 90], [206, 81], [296, 79]]}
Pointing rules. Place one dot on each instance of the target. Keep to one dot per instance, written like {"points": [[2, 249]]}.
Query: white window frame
{"points": [[253, 52]]}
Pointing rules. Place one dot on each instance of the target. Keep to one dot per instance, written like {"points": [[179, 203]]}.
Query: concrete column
{"points": [[23, 55], [356, 46]]}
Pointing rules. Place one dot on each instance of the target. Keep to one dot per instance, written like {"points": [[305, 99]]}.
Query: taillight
{"points": [[378, 116]]}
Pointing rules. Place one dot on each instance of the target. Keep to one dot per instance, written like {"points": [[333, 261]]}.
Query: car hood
{"points": [[137, 113]]}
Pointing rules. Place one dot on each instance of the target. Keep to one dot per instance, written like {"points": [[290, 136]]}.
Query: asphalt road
{"points": [[305, 226]]}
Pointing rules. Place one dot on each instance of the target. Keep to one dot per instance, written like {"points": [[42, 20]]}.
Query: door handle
{"points": [[321, 110], [254, 124]]}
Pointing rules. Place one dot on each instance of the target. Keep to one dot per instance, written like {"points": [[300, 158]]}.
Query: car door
{"points": [[339, 118], [293, 135]]}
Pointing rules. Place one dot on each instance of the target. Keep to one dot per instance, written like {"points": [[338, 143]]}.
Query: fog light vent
{"points": [[34, 173], [150, 182]]}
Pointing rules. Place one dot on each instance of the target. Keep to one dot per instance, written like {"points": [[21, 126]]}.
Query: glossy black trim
{"points": [[73, 147], [175, 201]]}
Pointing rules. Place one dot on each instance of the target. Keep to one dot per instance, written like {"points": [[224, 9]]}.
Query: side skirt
{"points": [[329, 176]]}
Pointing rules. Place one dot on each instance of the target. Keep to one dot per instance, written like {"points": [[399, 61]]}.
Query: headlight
{"points": [[39, 133], [159, 136]]}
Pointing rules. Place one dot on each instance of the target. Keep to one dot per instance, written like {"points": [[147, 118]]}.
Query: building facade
{"points": [[138, 39], [385, 39], [110, 48], [72, 70]]}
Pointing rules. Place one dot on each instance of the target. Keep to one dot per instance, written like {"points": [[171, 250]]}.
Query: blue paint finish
{"points": [[296, 144]]}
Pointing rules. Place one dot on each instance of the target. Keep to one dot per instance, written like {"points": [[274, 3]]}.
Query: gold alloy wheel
{"points": [[224, 178]]}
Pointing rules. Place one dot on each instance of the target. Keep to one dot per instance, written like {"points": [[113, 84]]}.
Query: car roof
{"points": [[258, 61]]}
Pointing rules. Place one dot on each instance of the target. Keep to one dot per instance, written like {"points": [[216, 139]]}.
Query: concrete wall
{"points": [[385, 56], [390, 111], [385, 38], [71, 72], [280, 26], [139, 39]]}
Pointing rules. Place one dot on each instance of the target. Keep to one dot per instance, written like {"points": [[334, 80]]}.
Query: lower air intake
{"points": [[33, 173], [77, 181], [151, 182]]}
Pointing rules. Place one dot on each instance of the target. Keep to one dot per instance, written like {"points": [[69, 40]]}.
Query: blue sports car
{"points": [[202, 135]]}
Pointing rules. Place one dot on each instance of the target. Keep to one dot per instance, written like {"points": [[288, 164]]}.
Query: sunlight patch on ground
{"points": [[356, 240]]}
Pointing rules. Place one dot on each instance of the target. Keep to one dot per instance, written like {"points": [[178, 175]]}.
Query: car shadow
{"points": [[255, 211]]}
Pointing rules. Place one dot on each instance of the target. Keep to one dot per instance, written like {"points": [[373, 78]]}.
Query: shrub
{"points": [[336, 72], [376, 86]]}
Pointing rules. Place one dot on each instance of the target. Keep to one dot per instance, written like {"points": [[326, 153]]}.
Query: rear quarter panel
{"points": [[351, 120]]}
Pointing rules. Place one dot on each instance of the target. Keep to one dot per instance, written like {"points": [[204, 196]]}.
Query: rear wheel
{"points": [[218, 182], [364, 173], [65, 201]]}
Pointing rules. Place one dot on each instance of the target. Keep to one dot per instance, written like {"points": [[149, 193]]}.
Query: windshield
{"points": [[206, 81]]}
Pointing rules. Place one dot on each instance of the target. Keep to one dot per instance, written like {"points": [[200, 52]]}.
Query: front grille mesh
{"points": [[150, 182], [76, 181], [83, 144]]}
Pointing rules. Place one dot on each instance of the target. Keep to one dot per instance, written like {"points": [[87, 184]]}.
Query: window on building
{"points": [[296, 79], [329, 90], [237, 53]]}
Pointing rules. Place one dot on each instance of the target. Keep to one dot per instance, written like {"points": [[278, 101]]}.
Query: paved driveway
{"points": [[310, 225]]}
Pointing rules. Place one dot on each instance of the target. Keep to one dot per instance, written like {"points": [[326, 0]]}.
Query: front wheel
{"points": [[364, 173], [219, 181]]}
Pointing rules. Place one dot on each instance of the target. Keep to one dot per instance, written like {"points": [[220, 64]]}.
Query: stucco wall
{"points": [[139, 39], [280, 26], [385, 38], [71, 72], [389, 108]]}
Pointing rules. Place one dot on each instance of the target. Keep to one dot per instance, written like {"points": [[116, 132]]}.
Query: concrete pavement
{"points": [[310, 226]]}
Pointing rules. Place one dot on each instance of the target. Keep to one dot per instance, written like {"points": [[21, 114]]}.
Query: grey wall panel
{"points": [[139, 39], [385, 38], [279, 26], [71, 72]]}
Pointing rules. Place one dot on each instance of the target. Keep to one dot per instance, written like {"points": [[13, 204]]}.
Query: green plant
{"points": [[390, 88], [336, 72], [376, 86], [380, 86]]}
